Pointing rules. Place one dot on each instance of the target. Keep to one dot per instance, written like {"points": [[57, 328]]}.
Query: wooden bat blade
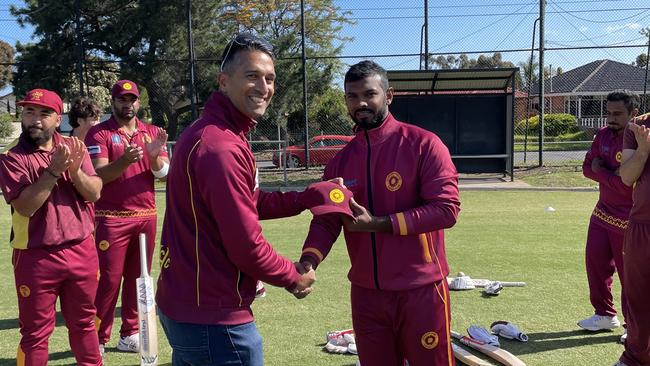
{"points": [[495, 353], [467, 357]]}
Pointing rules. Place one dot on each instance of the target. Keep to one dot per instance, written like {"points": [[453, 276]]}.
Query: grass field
{"points": [[503, 235]]}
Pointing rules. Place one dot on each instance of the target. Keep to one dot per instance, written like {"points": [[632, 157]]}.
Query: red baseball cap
{"points": [[330, 197], [44, 98], [123, 87]]}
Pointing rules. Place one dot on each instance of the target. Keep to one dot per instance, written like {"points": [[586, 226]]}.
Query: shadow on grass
{"points": [[542, 342], [6, 324]]}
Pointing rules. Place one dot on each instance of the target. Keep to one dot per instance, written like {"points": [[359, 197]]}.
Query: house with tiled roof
{"points": [[582, 91]]}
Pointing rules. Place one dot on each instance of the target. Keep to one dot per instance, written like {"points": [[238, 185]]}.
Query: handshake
{"points": [[306, 280]]}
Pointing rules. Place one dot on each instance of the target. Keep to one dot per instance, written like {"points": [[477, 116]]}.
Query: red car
{"points": [[321, 150]]}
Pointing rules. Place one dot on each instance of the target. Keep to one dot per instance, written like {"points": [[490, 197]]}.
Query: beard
{"points": [[38, 136], [124, 114], [374, 120]]}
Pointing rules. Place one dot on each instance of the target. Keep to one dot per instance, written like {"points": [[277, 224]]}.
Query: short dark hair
{"points": [[365, 69], [244, 42], [630, 99], [83, 107]]}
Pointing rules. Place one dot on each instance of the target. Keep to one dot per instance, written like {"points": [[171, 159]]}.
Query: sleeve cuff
{"points": [[314, 254], [398, 221]]}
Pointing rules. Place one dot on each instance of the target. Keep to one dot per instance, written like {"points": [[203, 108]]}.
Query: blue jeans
{"points": [[217, 345]]}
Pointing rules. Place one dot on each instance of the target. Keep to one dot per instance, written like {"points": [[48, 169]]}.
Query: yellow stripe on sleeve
{"points": [[19, 226], [401, 221], [314, 251], [20, 357], [98, 322], [425, 248]]}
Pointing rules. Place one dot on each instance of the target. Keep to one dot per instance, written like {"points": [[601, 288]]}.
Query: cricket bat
{"points": [[146, 311], [495, 353], [482, 282], [467, 357]]}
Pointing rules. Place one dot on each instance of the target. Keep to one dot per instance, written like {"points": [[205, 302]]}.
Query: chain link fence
{"points": [[591, 48]]}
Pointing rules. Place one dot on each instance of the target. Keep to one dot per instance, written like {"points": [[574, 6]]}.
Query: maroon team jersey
{"points": [[130, 196], [615, 201], [64, 219], [640, 212], [404, 172]]}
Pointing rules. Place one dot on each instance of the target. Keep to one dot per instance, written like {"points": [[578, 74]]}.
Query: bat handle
{"points": [[143, 255]]}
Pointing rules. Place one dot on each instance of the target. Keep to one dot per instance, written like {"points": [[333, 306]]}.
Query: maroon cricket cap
{"points": [[330, 197], [123, 87], [44, 98]]}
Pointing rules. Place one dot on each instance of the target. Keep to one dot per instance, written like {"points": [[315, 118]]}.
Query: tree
{"points": [[279, 22], [6, 59], [148, 38], [642, 59]]}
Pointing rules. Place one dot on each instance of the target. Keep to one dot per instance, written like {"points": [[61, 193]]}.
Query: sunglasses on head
{"points": [[245, 40]]}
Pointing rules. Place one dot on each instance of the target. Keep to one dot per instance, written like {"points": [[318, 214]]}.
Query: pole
{"points": [[80, 47], [190, 47], [304, 81], [645, 82], [421, 41], [542, 5], [426, 34]]}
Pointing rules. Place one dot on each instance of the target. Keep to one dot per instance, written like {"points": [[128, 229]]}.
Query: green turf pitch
{"points": [[499, 235]]}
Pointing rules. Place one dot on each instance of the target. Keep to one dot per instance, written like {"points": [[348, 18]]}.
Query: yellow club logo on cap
{"points": [[619, 156], [337, 196], [37, 95], [127, 86]]}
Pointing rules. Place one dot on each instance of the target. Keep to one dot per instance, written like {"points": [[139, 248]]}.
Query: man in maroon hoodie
{"points": [[604, 251], [405, 178], [212, 248]]}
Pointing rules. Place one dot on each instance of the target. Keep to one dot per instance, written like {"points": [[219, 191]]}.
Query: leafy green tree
{"points": [[7, 53], [279, 22], [6, 125], [140, 35]]}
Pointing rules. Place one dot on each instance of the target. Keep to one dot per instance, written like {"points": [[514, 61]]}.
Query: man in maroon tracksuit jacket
{"points": [[212, 247], [404, 178], [635, 172], [604, 251]]}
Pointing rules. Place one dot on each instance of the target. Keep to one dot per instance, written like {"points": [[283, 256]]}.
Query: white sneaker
{"points": [[129, 343], [599, 322], [624, 337], [101, 350]]}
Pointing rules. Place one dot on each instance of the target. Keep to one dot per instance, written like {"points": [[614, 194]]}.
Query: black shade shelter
{"points": [[471, 110]]}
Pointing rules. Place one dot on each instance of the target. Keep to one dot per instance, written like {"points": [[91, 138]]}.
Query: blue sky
{"points": [[385, 27]]}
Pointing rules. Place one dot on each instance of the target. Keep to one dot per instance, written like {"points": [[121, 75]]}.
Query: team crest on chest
{"points": [[619, 156], [117, 140], [393, 181], [429, 340]]}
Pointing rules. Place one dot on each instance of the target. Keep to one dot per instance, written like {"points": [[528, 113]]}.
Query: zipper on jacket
{"points": [[372, 211]]}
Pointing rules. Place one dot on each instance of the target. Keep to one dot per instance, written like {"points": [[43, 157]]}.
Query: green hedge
{"points": [[6, 126], [554, 125]]}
